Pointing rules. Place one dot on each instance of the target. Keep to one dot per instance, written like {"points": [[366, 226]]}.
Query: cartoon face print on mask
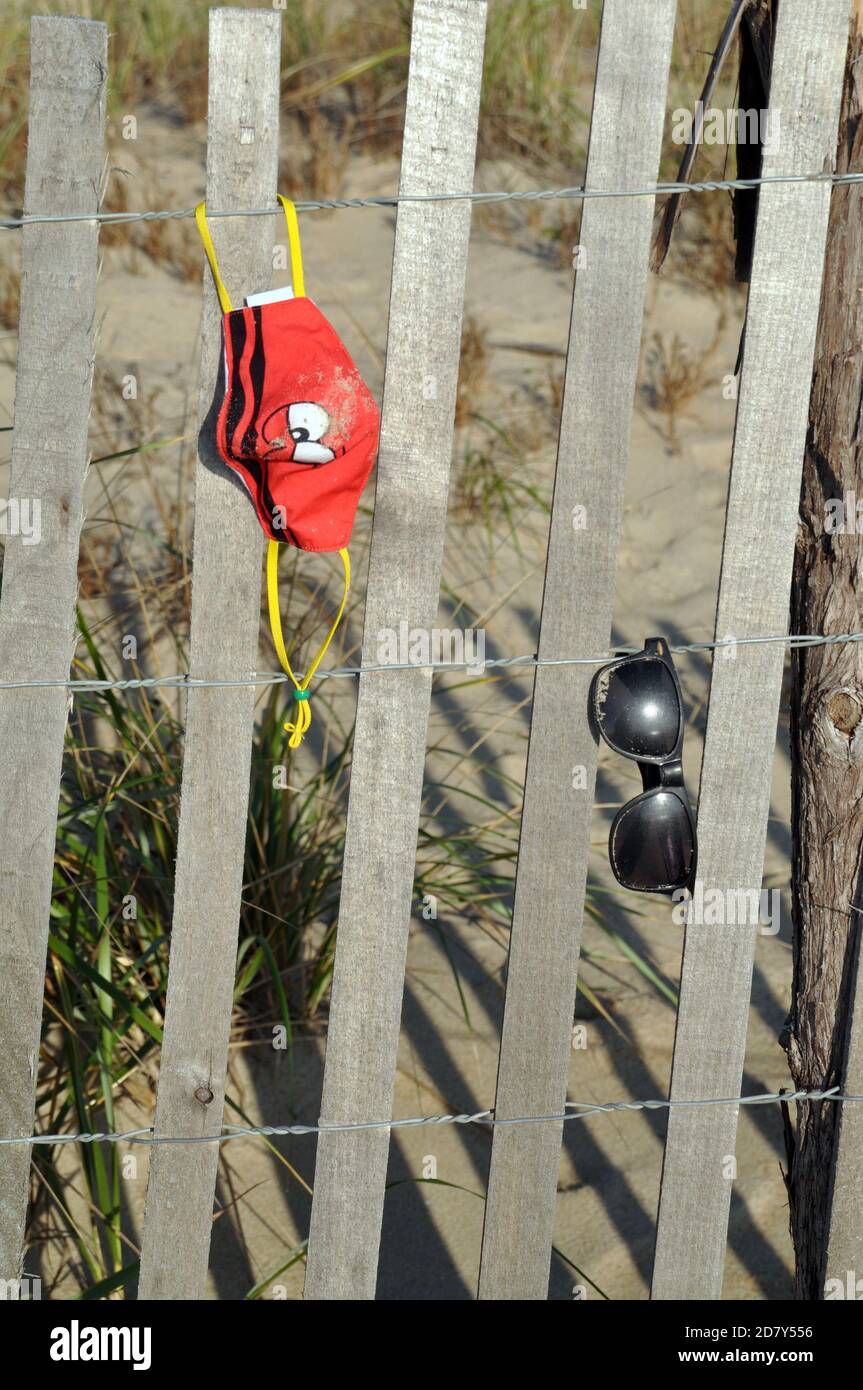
{"points": [[306, 424], [295, 402]]}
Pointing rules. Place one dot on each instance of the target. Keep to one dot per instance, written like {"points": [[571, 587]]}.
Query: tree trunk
{"points": [[827, 703]]}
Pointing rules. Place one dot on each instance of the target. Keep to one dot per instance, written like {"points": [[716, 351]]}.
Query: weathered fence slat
{"points": [[602, 364], [429, 267], [755, 583], [40, 580], [242, 165]]}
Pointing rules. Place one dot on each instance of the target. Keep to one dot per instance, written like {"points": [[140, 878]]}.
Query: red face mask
{"points": [[299, 426]]}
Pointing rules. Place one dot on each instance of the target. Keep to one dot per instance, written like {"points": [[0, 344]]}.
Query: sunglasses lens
{"points": [[638, 708], [652, 843]]}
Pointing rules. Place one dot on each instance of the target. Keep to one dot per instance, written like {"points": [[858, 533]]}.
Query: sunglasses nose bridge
{"points": [[671, 773]]}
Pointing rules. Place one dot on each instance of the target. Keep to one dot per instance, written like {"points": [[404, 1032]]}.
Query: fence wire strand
{"points": [[575, 1110], [113, 219], [187, 682]]}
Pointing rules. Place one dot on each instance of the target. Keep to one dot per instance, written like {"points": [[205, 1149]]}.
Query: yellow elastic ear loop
{"points": [[297, 279], [203, 229], [301, 692]]}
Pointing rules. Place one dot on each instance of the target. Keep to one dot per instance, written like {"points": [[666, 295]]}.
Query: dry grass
{"points": [[344, 70], [10, 301], [473, 368], [172, 244], [702, 249], [315, 165], [676, 374]]}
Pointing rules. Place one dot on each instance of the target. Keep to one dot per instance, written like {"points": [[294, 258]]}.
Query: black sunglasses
{"points": [[637, 707]]}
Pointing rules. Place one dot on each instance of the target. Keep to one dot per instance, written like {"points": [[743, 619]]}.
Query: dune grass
{"points": [[344, 71]]}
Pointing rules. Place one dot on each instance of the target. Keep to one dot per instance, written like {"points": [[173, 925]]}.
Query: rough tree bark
{"points": [[827, 704]]}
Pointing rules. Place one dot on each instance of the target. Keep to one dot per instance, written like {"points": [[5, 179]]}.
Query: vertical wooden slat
{"points": [[37, 615], [754, 592], [601, 369], [242, 161], [845, 1223], [426, 302]]}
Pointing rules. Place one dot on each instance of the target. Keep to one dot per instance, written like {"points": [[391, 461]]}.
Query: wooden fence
{"points": [[37, 619]]}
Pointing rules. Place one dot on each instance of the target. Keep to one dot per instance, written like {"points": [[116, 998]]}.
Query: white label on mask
{"points": [[269, 297]]}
